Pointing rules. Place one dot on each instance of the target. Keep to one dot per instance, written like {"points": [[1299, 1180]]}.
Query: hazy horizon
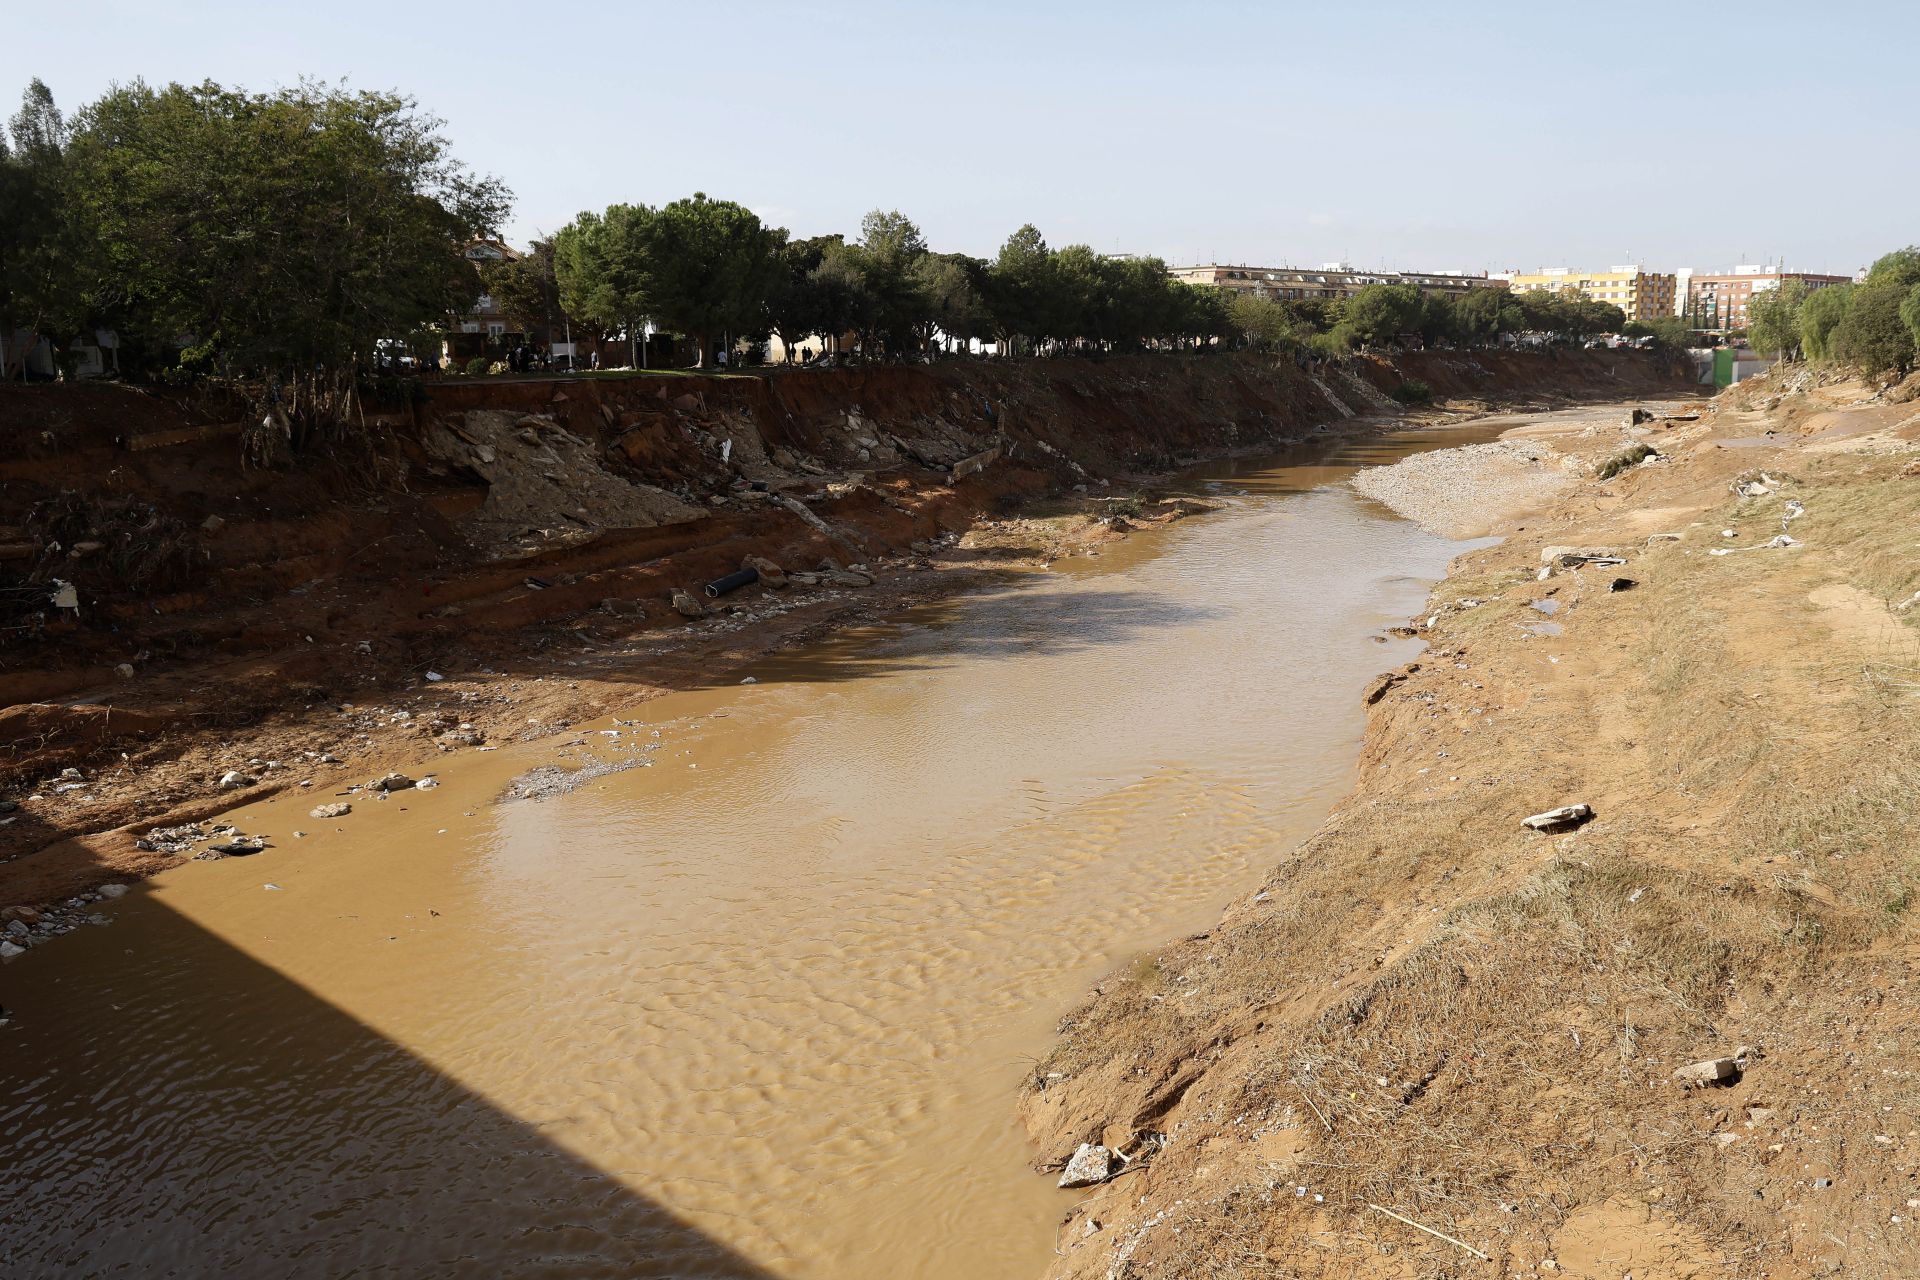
{"points": [[1499, 136]]}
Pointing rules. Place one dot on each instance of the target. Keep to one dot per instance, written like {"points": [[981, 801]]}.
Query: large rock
{"points": [[392, 782], [770, 573], [340, 810], [687, 604], [1091, 1164]]}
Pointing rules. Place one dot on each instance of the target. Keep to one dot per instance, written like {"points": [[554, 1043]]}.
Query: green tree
{"points": [[527, 289], [949, 286], [601, 269], [1481, 317], [710, 265], [1773, 318], [794, 307], [1910, 312], [36, 260], [287, 234], [1022, 294], [1262, 323], [891, 251], [1820, 316], [1380, 313], [1872, 335], [841, 294], [1669, 333]]}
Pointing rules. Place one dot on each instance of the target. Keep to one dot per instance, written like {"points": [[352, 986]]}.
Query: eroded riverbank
{"points": [[761, 1002]]}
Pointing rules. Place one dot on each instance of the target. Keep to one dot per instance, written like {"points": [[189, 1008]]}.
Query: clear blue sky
{"points": [[1434, 135]]}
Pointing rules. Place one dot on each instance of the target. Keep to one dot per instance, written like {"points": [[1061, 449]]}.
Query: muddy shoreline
{"points": [[585, 633]]}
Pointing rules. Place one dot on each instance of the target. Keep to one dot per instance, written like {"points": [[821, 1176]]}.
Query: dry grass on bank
{"points": [[1435, 1011]]}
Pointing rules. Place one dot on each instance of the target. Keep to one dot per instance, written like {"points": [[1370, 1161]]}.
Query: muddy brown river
{"points": [[758, 1006]]}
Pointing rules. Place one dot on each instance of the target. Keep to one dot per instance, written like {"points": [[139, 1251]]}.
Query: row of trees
{"points": [[1873, 326], [282, 236], [709, 268], [1382, 314]]}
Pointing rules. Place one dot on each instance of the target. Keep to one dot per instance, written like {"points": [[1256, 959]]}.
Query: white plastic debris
{"points": [[434, 677]]}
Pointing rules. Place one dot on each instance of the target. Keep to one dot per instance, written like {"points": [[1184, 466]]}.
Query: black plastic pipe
{"points": [[732, 582]]}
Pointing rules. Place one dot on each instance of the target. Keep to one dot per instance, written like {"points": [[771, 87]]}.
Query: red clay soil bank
{"points": [[217, 600]]}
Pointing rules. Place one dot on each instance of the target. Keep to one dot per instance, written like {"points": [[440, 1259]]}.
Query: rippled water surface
{"points": [[757, 1008]]}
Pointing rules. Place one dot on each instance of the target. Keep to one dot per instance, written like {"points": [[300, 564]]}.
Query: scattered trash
{"points": [[274, 887], [751, 680], [1778, 540], [239, 846], [434, 677], [535, 584], [426, 784], [1564, 818], [1574, 557]]}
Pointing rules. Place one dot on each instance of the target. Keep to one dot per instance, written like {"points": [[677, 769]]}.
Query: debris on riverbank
{"points": [[1430, 1007]]}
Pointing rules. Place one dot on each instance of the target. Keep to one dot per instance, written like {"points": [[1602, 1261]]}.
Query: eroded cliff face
{"points": [[226, 613], [1673, 1041]]}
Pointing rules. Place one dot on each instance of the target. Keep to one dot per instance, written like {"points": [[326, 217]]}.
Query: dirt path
{"points": [[1434, 1010]]}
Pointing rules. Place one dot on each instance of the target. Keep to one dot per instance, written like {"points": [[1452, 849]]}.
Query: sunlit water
{"points": [[758, 1007]]}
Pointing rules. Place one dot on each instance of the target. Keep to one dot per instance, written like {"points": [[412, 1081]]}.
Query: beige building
{"points": [[1335, 280], [1640, 293]]}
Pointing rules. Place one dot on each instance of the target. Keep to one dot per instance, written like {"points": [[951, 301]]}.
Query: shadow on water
{"points": [[282, 1138], [1023, 620]]}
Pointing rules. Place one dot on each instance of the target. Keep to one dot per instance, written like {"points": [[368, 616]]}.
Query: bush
{"points": [[476, 366], [1412, 391]]}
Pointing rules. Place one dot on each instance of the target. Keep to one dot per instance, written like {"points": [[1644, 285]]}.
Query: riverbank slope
{"points": [[499, 560], [1438, 1042]]}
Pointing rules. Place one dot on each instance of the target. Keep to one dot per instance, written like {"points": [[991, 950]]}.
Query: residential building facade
{"points": [[1335, 280], [1639, 293], [1719, 303]]}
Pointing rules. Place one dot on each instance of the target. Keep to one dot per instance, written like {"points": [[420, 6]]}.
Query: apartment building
{"points": [[1718, 303], [1640, 293], [1334, 280]]}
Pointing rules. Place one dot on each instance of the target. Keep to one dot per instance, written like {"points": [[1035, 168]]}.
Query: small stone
{"points": [[1091, 1164], [9, 950], [330, 811], [1709, 1071], [233, 779], [111, 891], [213, 524], [1561, 819], [18, 929], [686, 604], [392, 782]]}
